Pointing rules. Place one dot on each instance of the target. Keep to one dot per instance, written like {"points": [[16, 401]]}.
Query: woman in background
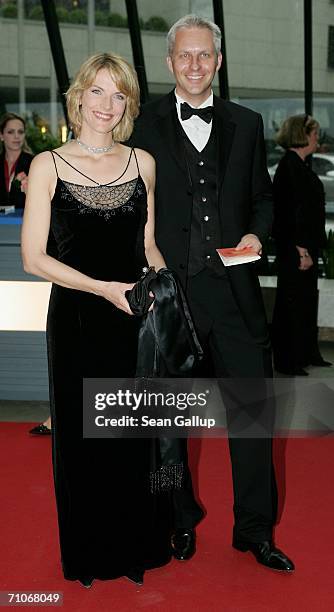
{"points": [[15, 160], [299, 231]]}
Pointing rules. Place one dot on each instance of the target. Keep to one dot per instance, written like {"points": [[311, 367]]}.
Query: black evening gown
{"points": [[109, 521]]}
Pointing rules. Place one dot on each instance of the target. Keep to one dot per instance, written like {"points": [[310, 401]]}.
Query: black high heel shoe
{"points": [[40, 430], [86, 582], [136, 576]]}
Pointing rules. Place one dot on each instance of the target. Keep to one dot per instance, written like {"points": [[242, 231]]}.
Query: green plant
{"points": [[36, 12], [62, 14], [329, 255], [116, 20], [39, 142], [157, 24], [9, 10], [101, 18], [77, 16]]}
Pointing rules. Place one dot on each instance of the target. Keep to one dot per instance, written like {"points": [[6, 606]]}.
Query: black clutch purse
{"points": [[139, 297]]}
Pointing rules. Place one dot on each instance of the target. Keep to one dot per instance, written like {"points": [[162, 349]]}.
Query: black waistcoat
{"points": [[205, 223]]}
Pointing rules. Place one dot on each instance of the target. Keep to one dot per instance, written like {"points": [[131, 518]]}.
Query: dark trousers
{"points": [[235, 354], [294, 326]]}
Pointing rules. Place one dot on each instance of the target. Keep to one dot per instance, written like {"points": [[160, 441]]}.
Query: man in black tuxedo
{"points": [[213, 190]]}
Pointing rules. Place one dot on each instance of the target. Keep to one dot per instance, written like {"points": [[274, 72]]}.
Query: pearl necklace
{"points": [[95, 150]]}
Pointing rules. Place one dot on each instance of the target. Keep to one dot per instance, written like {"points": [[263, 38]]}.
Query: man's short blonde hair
{"points": [[126, 80]]}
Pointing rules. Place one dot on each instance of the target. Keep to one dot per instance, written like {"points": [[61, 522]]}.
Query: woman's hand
{"points": [[23, 180], [24, 185], [305, 258], [115, 292]]}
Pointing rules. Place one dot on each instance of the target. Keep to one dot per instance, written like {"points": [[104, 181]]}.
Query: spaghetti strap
{"points": [[88, 177], [54, 161], [124, 171], [134, 152], [76, 169]]}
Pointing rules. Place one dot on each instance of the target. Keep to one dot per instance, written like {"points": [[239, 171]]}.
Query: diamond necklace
{"points": [[95, 149]]}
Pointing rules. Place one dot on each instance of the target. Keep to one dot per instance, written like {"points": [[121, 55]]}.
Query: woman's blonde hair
{"points": [[126, 80], [3, 122], [295, 130]]}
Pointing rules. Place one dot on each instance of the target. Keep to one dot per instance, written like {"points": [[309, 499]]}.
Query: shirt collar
{"points": [[207, 102]]}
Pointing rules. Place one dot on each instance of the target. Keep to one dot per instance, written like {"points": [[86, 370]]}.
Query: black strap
{"points": [[76, 169], [88, 177], [134, 152], [54, 161]]}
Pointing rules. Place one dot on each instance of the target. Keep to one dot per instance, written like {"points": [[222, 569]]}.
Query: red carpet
{"points": [[218, 578]]}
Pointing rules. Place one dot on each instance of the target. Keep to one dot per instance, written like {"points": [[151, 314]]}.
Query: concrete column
{"points": [[91, 26], [53, 100]]}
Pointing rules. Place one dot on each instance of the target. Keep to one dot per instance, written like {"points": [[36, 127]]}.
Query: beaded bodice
{"points": [[102, 195], [103, 199], [99, 229]]}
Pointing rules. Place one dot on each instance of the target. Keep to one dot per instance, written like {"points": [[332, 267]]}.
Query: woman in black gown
{"points": [[97, 196], [299, 231]]}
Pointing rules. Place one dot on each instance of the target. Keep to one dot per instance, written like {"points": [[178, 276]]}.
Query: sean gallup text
{"points": [[146, 421]]}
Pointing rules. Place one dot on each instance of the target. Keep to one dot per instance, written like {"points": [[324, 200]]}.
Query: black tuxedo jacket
{"points": [[244, 191], [15, 197]]}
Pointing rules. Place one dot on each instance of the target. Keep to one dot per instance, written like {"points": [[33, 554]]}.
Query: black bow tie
{"points": [[203, 113]]}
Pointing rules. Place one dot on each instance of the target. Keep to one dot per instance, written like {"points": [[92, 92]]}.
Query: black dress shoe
{"points": [[266, 553], [300, 372], [136, 576], [320, 363], [183, 544], [40, 430], [86, 582], [292, 371]]}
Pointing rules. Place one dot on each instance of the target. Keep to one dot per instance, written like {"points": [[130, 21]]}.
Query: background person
{"points": [[97, 196], [15, 160], [299, 231]]}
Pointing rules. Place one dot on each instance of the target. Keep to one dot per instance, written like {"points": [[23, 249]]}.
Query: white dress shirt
{"points": [[197, 130]]}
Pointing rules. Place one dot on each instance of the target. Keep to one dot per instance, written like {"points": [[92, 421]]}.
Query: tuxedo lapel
{"points": [[171, 132], [225, 129]]}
